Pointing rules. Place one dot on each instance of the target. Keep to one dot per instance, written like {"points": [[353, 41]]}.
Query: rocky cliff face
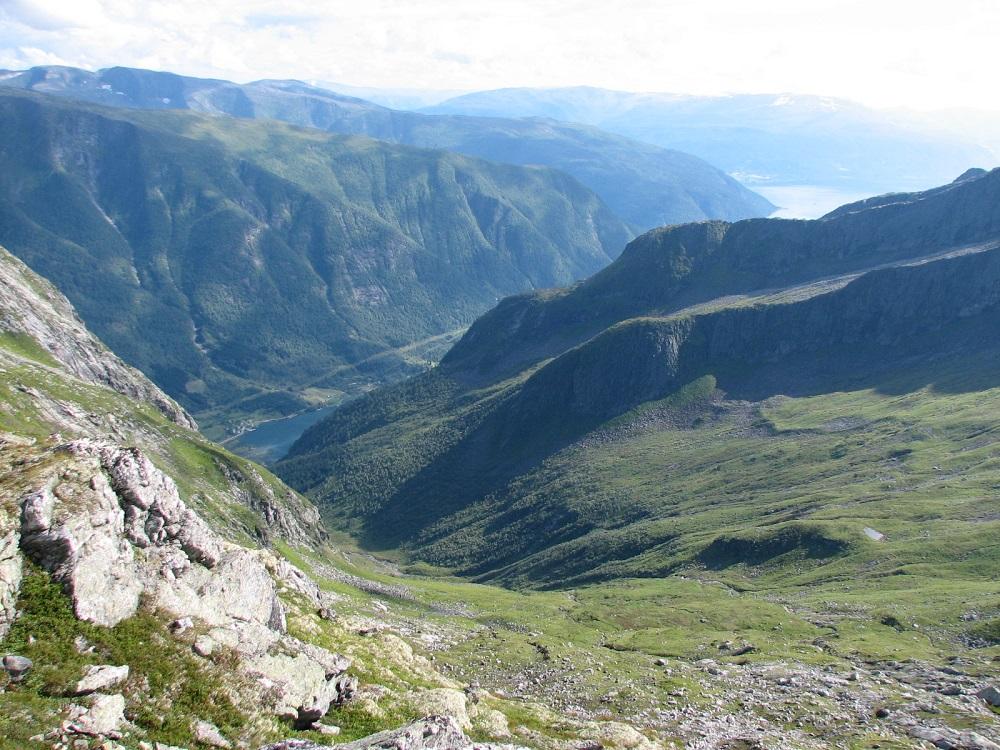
{"points": [[865, 327]]}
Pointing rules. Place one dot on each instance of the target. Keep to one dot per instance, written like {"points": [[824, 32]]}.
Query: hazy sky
{"points": [[912, 53]]}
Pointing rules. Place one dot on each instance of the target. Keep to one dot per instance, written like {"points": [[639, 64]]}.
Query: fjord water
{"points": [[807, 201], [269, 441]]}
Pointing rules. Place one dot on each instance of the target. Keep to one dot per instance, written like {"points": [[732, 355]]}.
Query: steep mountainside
{"points": [[636, 424], [249, 267], [645, 185], [765, 139]]}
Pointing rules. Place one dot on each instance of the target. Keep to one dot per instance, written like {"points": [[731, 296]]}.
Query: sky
{"points": [[916, 54]]}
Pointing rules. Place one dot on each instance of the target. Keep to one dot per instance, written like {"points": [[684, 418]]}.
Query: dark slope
{"points": [[486, 464], [670, 268], [238, 263], [646, 185]]}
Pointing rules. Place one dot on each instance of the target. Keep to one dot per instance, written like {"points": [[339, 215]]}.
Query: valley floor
{"points": [[691, 662]]}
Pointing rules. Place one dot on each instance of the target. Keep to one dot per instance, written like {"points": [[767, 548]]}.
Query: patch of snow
{"points": [[875, 536]]}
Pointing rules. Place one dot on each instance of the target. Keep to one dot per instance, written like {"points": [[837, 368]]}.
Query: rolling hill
{"points": [[250, 268], [645, 185]]}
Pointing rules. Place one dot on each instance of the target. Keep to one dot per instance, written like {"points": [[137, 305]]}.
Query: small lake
{"points": [[270, 441]]}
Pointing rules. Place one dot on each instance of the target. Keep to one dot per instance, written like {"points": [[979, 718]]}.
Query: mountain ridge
{"points": [[482, 478], [646, 185], [176, 234], [766, 139]]}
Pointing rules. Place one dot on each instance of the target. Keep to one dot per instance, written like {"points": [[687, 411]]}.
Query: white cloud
{"points": [[913, 53]]}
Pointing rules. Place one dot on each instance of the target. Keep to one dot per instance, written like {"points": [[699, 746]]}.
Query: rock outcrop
{"points": [[110, 526], [11, 565]]}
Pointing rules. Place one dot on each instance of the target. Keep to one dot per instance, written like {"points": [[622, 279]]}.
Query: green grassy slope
{"points": [[239, 263]]}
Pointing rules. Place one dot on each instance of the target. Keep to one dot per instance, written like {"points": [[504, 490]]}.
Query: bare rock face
{"points": [[11, 566], [74, 528], [155, 513], [111, 526], [431, 733], [32, 306], [113, 529]]}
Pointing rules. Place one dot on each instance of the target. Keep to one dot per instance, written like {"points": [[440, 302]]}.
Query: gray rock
{"points": [[157, 514], [326, 613], [950, 739], [84, 550], [100, 677], [181, 624], [346, 687], [16, 666], [209, 734], [104, 718], [203, 646], [991, 695], [11, 568], [431, 733]]}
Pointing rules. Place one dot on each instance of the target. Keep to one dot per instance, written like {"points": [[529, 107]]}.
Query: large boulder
{"points": [[98, 677], [104, 717], [305, 687], [442, 702]]}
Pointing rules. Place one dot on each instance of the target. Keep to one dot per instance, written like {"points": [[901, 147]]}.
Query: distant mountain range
{"points": [[764, 139], [251, 268], [640, 421], [645, 185]]}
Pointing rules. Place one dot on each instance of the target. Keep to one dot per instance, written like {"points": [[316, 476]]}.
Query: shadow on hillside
{"points": [[474, 477]]}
